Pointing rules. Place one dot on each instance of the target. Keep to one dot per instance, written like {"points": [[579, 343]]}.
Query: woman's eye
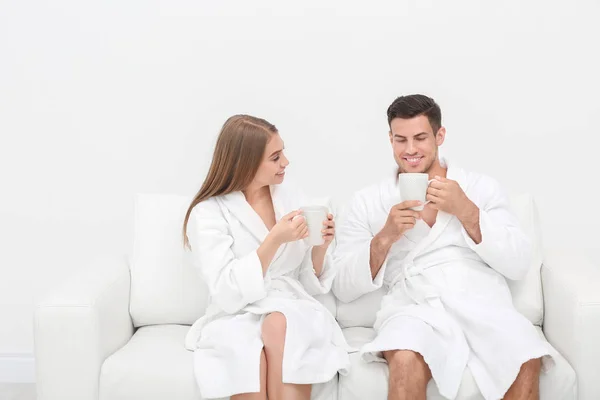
{"points": [[276, 158]]}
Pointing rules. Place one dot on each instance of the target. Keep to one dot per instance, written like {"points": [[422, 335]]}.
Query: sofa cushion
{"points": [[154, 365], [165, 288], [370, 380], [526, 293]]}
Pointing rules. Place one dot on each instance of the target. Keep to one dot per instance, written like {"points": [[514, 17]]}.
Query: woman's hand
{"points": [[291, 227], [328, 231]]}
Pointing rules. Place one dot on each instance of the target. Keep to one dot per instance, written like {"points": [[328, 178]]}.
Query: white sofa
{"points": [[115, 331]]}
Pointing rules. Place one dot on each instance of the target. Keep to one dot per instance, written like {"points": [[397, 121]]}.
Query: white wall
{"points": [[100, 100]]}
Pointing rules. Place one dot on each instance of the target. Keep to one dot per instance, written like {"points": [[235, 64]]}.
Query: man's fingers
{"points": [[406, 220], [433, 199], [438, 184], [434, 191], [408, 225], [410, 213], [408, 204]]}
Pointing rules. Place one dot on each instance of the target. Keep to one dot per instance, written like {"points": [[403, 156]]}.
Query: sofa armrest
{"points": [[78, 326], [571, 285]]}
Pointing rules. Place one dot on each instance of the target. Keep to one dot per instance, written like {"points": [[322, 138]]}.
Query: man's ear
{"points": [[440, 136]]}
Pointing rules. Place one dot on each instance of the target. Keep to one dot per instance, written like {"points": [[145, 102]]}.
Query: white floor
{"points": [[17, 391]]}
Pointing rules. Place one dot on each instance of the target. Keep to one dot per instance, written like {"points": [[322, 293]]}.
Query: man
{"points": [[447, 305]]}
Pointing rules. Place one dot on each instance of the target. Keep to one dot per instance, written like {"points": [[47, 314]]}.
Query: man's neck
{"points": [[437, 169]]}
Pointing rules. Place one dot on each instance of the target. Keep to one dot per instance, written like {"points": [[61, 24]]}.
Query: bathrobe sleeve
{"points": [[232, 282], [314, 284], [504, 246], [353, 252]]}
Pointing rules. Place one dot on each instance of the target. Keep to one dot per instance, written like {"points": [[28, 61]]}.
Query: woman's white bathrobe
{"points": [[447, 297], [224, 234]]}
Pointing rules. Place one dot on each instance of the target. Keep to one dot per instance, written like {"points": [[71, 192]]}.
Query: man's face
{"points": [[414, 144]]}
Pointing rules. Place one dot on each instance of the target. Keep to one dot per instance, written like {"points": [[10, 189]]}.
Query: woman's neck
{"points": [[254, 194]]}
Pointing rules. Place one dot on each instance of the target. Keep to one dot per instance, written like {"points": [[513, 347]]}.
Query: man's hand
{"points": [[447, 195], [400, 219]]}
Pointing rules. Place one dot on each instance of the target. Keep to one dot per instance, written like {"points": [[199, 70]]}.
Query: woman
{"points": [[263, 332]]}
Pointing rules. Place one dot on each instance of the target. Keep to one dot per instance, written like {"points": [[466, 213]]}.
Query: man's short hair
{"points": [[413, 105]]}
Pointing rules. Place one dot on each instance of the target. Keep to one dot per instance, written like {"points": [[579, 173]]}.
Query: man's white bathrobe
{"points": [[447, 297], [224, 234]]}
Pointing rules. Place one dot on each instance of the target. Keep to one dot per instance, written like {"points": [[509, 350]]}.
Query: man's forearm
{"points": [[380, 246], [470, 221]]}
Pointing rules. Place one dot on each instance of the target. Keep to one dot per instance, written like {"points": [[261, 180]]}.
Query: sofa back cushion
{"points": [[526, 293], [165, 288]]}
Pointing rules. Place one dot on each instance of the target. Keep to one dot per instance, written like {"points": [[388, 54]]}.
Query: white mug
{"points": [[413, 186], [315, 216]]}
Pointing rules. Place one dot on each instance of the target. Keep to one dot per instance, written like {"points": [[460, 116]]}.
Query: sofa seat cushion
{"points": [[370, 380], [154, 365]]}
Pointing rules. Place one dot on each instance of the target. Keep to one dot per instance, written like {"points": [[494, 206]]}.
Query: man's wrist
{"points": [[381, 242], [470, 216]]}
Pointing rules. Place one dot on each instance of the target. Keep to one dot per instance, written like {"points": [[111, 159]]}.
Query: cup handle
{"points": [[428, 183]]}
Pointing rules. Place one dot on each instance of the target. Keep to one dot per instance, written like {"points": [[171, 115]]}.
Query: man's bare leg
{"points": [[409, 375], [527, 384]]}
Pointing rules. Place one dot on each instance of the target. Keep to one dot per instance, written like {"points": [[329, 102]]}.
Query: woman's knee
{"points": [[273, 330]]}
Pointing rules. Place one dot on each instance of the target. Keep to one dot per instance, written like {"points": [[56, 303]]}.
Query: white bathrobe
{"points": [[447, 297], [224, 234]]}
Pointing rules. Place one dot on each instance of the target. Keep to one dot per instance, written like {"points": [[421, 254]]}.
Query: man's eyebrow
{"points": [[418, 134]]}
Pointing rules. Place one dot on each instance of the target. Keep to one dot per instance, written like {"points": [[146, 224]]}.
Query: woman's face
{"points": [[272, 168]]}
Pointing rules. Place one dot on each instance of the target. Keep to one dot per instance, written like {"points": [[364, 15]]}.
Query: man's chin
{"points": [[415, 170]]}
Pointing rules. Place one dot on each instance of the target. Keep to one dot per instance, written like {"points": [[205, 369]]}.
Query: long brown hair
{"points": [[237, 156]]}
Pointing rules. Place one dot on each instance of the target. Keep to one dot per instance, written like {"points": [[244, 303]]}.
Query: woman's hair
{"points": [[237, 156]]}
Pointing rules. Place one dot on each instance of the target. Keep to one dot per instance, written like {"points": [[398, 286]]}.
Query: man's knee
{"points": [[532, 367], [273, 330], [400, 361]]}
